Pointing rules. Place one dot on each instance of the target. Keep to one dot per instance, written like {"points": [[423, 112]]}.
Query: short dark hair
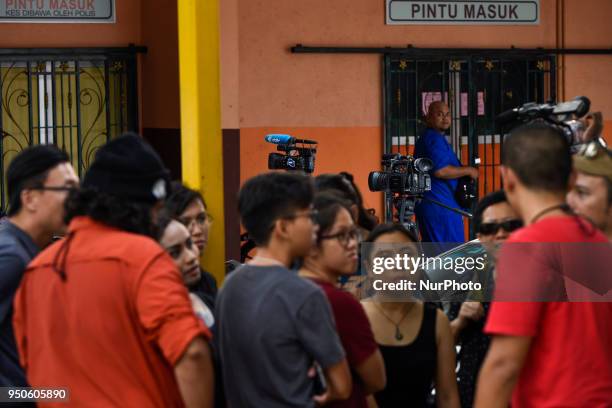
{"points": [[389, 228], [163, 220], [540, 156], [268, 197], [338, 182], [328, 204], [30, 169], [485, 202], [345, 183], [120, 213], [180, 198]]}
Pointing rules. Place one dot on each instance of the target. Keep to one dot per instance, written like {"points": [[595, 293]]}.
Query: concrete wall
{"points": [[126, 29], [337, 99], [333, 98]]}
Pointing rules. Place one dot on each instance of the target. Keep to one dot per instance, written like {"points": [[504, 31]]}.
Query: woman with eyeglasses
{"points": [[333, 256], [188, 207], [344, 185], [414, 337]]}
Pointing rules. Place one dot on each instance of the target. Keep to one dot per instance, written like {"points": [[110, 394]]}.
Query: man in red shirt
{"points": [[104, 313], [544, 354]]}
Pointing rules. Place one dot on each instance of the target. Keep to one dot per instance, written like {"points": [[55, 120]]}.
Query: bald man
{"points": [[436, 223]]}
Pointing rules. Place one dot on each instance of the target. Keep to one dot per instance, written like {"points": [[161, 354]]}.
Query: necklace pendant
{"points": [[398, 335]]}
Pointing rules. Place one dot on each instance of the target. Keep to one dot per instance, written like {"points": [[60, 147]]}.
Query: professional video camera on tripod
{"points": [[404, 180]]}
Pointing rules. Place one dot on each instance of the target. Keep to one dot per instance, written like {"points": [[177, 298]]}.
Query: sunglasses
{"points": [[490, 228]]}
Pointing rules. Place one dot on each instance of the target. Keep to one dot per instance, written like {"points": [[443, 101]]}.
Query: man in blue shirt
{"points": [[436, 223], [38, 181]]}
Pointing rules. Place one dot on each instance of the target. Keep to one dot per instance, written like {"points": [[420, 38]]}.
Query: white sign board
{"points": [[57, 11], [463, 12]]}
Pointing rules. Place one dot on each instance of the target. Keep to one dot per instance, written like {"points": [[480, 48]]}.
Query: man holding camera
{"points": [[436, 223], [544, 354]]}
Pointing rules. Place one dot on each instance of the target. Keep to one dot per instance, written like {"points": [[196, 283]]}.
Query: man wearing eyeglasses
{"points": [[38, 181], [494, 220], [591, 195], [273, 325], [438, 224]]}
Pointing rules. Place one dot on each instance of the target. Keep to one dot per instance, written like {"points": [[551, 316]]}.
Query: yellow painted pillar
{"points": [[201, 143]]}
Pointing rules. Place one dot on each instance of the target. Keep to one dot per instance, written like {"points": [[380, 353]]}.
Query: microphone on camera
{"points": [[281, 139]]}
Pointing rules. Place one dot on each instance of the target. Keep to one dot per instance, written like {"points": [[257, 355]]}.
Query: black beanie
{"points": [[31, 162], [128, 168]]}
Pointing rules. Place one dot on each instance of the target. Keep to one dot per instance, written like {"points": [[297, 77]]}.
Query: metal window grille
{"points": [[476, 87], [77, 99]]}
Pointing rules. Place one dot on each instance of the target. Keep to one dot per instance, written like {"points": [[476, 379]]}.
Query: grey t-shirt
{"points": [[271, 326]]}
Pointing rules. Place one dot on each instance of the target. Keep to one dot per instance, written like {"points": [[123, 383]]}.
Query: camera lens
{"points": [[309, 164], [423, 165], [276, 161], [376, 181]]}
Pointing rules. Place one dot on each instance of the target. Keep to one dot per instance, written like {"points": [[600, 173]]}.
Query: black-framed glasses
{"points": [[344, 237], [312, 214], [490, 228], [200, 220]]}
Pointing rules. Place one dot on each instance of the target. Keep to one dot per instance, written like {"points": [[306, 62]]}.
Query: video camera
{"points": [[562, 115], [402, 174], [403, 180], [294, 157]]}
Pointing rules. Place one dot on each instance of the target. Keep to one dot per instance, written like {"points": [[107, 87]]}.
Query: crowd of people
{"points": [[102, 291]]}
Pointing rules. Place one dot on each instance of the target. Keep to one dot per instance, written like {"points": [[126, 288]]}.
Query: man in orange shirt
{"points": [[104, 312]]}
